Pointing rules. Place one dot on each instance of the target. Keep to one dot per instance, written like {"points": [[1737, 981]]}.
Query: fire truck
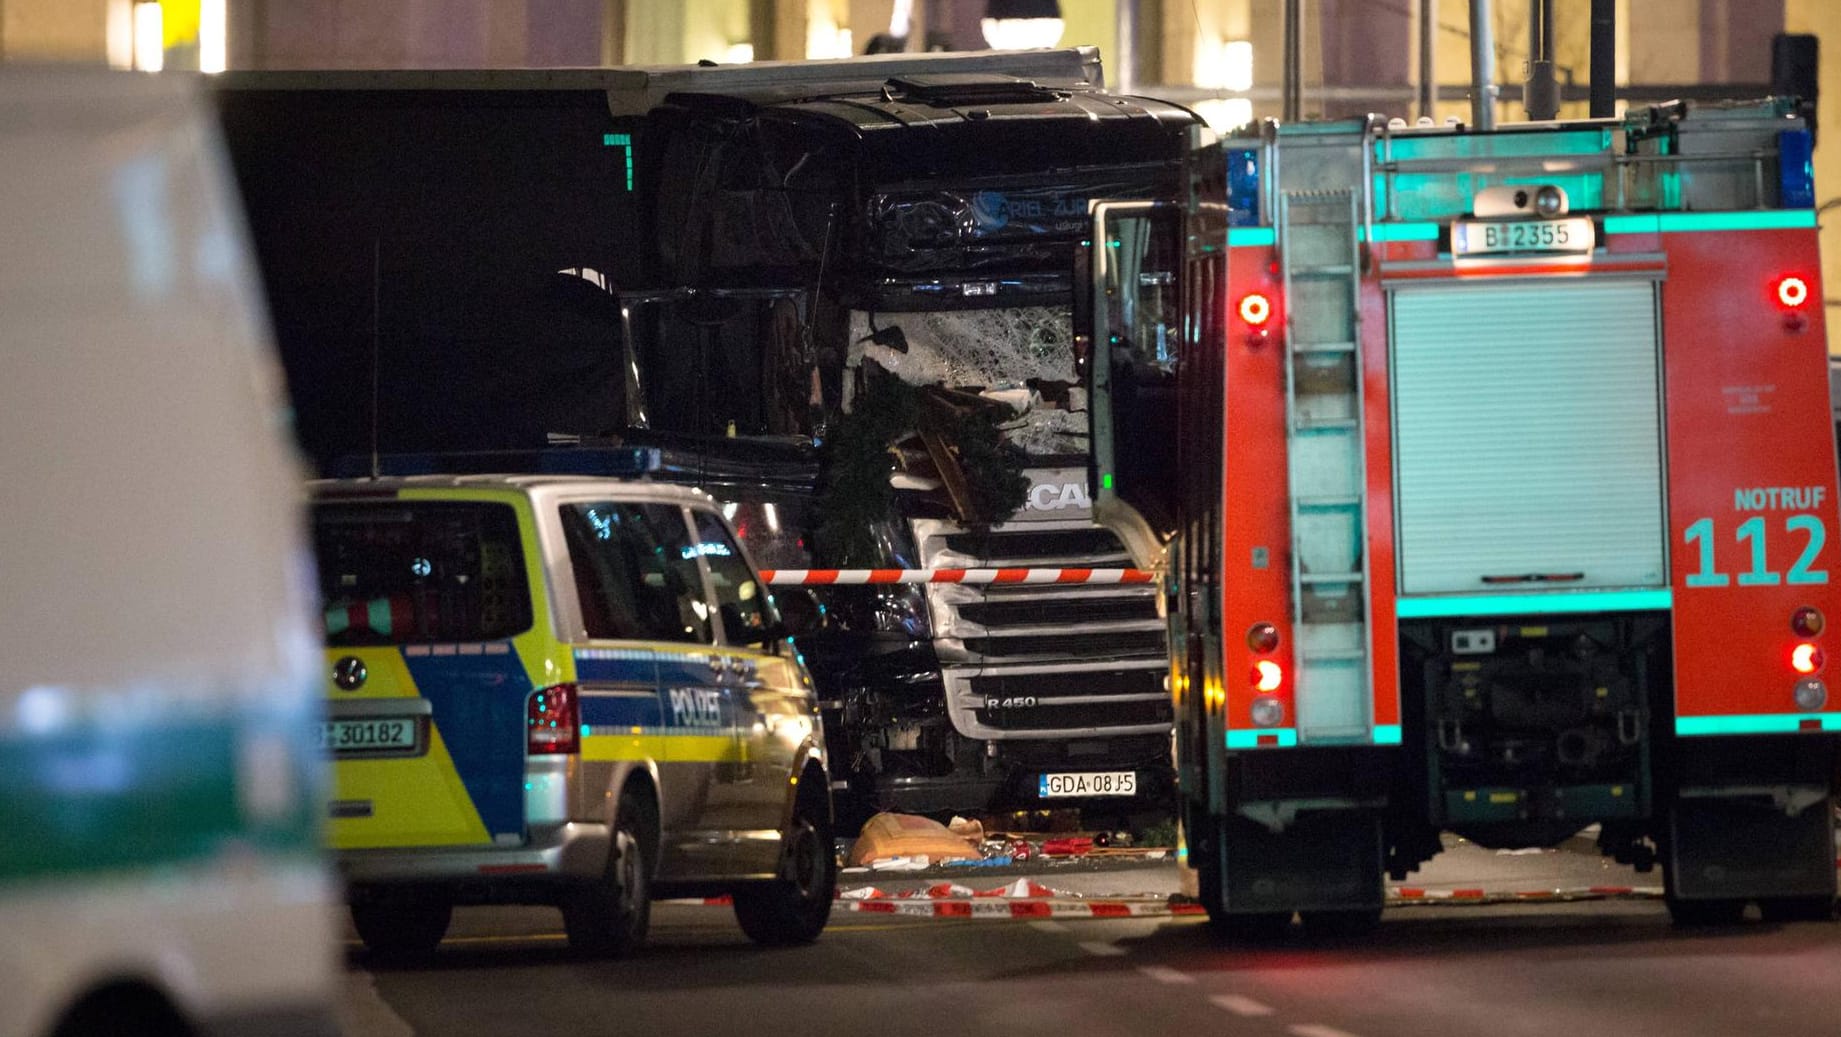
{"points": [[1493, 485]]}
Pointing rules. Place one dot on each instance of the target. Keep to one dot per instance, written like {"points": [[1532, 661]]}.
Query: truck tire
{"points": [[793, 909], [1704, 913], [402, 928], [609, 917], [1249, 927], [1340, 924]]}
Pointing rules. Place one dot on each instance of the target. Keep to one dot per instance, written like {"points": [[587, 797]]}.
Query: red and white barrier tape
{"points": [[859, 577], [1410, 896], [1026, 898], [1156, 908]]}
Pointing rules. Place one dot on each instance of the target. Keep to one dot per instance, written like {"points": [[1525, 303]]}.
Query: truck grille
{"points": [[998, 685], [1090, 546], [1144, 642], [1078, 715], [1075, 609], [1039, 661]]}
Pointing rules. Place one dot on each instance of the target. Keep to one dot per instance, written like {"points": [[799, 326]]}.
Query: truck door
{"points": [[1126, 331]]}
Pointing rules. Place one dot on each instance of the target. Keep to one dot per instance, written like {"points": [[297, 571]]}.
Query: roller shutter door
{"points": [[1527, 435]]}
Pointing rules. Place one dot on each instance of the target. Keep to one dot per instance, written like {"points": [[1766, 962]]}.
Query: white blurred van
{"points": [[159, 781]]}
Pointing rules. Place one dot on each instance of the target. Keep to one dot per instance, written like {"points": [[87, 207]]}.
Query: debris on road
{"points": [[909, 837], [907, 842]]}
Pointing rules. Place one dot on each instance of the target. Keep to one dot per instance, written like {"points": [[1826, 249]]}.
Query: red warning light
{"points": [[1791, 291], [1267, 675], [1806, 658], [1255, 309]]}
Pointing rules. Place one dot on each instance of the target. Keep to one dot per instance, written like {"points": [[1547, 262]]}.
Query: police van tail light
{"points": [[553, 717]]}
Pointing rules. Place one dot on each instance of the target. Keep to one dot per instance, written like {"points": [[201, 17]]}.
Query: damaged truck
{"points": [[835, 235], [743, 265]]}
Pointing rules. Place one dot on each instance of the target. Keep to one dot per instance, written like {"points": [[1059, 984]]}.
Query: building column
{"points": [[1367, 44], [1823, 19]]}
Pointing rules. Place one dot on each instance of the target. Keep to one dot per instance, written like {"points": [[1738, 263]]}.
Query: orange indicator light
{"points": [[1267, 675]]}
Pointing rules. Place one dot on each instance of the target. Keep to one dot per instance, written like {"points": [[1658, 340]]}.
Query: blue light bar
{"points": [[607, 462], [1795, 170], [1243, 187]]}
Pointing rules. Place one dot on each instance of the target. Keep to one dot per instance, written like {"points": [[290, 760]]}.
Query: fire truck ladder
{"points": [[1320, 262]]}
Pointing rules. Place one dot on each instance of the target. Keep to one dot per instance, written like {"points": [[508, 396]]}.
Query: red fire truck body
{"points": [[1495, 482]]}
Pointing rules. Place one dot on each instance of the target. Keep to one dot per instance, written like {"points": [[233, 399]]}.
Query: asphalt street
{"points": [[1597, 966]]}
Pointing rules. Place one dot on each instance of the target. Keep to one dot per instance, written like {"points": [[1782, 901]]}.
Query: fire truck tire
{"points": [[1702, 913], [1229, 927], [1335, 924], [1249, 926], [1797, 909], [393, 928], [610, 917], [794, 908]]}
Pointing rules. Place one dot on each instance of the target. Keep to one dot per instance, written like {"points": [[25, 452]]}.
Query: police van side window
{"points": [[744, 605], [635, 574]]}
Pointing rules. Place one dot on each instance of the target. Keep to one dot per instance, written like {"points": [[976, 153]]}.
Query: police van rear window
{"points": [[420, 572]]}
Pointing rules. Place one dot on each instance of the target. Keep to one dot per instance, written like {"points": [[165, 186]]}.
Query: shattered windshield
{"points": [[1022, 356]]}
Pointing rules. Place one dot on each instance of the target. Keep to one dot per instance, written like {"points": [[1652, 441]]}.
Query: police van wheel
{"points": [[402, 928], [610, 917], [794, 908]]}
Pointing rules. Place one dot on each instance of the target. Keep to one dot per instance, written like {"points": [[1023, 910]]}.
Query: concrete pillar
{"points": [[1094, 23], [1664, 40], [1364, 44], [54, 30], [1735, 39], [1823, 18], [415, 33], [869, 18]]}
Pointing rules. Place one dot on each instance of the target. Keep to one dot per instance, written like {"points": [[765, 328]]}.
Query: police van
{"points": [[160, 872], [550, 689]]}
